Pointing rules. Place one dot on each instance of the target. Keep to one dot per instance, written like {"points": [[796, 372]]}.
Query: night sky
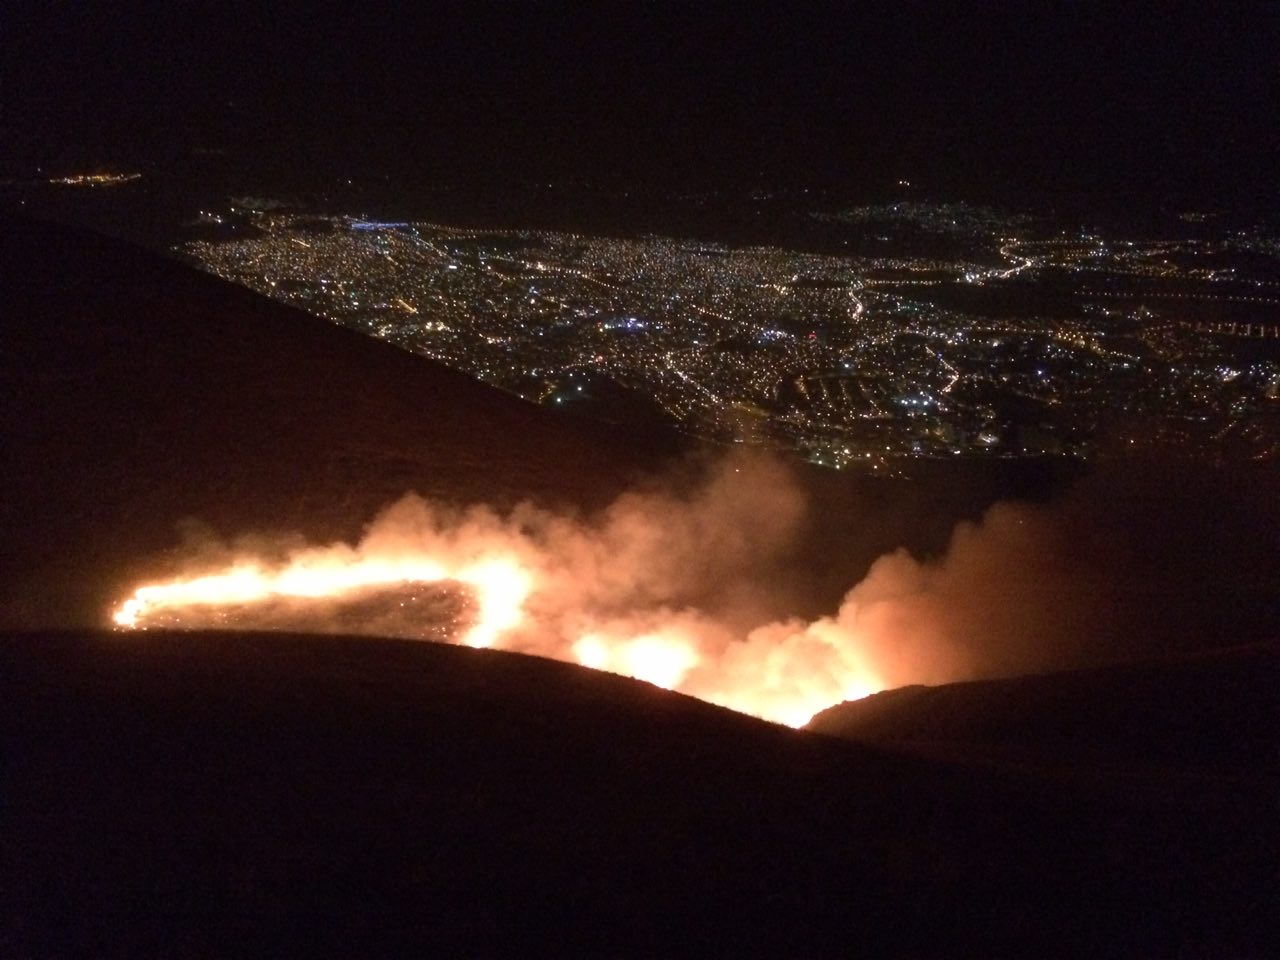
{"points": [[1162, 99]]}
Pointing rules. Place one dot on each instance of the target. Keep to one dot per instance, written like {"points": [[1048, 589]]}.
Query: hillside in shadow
{"points": [[249, 795], [1210, 712]]}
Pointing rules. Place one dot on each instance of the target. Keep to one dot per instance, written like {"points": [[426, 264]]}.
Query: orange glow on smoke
{"points": [[785, 680], [567, 592], [659, 659]]}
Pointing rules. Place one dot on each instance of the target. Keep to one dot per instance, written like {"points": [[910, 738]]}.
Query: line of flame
{"points": [[500, 588], [772, 681]]}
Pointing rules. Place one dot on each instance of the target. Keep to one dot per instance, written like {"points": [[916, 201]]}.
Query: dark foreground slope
{"points": [[1198, 732], [135, 392], [1212, 713], [250, 795]]}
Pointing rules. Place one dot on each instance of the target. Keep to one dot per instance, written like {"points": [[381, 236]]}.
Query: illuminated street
{"points": [[1014, 344]]}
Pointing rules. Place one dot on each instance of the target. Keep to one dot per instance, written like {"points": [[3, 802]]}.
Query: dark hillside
{"points": [[230, 795], [1212, 713], [135, 391]]}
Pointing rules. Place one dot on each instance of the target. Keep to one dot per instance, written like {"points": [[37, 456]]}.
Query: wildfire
{"points": [[619, 595], [763, 682], [500, 588], [661, 660]]}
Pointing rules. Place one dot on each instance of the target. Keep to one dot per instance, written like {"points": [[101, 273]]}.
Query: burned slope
{"points": [[249, 795], [135, 392]]}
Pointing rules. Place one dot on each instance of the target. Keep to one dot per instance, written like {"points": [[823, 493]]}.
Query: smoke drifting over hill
{"points": [[684, 586]]}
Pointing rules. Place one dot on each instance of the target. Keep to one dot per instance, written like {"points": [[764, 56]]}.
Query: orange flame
{"points": [[500, 588], [781, 672], [661, 659]]}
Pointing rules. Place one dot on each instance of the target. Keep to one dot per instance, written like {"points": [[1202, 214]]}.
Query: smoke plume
{"points": [[688, 586]]}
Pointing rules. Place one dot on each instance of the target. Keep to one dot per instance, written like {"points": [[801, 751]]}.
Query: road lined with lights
{"points": [[700, 330]]}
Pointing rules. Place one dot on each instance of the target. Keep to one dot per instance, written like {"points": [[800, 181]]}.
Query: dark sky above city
{"points": [[1092, 97]]}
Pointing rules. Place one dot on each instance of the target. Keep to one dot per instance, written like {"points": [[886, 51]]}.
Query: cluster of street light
{"points": [[853, 360]]}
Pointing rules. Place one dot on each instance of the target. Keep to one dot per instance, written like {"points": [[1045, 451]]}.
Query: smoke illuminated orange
{"points": [[661, 660], [767, 686], [626, 592]]}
